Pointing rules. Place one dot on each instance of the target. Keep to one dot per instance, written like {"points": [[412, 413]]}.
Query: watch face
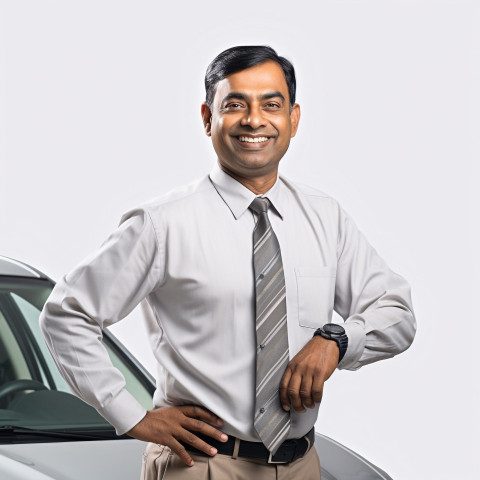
{"points": [[333, 329]]}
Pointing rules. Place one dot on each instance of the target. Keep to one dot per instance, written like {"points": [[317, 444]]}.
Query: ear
{"points": [[206, 118], [295, 118]]}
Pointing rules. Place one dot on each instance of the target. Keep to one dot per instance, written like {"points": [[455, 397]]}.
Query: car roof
{"points": [[14, 268]]}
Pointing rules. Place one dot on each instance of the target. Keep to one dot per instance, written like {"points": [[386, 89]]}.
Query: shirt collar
{"points": [[238, 197]]}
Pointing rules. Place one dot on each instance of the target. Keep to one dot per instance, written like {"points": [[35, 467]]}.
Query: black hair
{"points": [[236, 59]]}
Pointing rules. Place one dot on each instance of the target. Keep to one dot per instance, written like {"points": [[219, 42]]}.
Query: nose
{"points": [[253, 117]]}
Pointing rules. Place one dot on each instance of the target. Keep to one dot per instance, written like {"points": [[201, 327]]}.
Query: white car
{"points": [[47, 433]]}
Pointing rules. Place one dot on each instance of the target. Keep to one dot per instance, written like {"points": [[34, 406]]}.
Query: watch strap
{"points": [[341, 340]]}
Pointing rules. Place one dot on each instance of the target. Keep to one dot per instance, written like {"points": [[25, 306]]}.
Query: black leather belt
{"points": [[288, 451]]}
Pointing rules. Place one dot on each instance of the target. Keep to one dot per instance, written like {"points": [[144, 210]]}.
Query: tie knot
{"points": [[260, 205]]}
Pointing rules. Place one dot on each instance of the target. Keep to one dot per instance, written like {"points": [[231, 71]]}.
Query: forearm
{"points": [[99, 292], [374, 301], [75, 342], [377, 334]]}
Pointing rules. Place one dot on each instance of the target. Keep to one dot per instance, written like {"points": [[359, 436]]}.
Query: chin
{"points": [[259, 168]]}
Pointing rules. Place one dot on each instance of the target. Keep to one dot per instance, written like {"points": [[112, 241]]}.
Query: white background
{"points": [[100, 110]]}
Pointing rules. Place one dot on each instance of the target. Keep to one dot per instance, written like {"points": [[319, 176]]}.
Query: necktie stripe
{"points": [[278, 439], [261, 241], [266, 251], [270, 289], [265, 270], [267, 281], [271, 422], [273, 332], [266, 314], [272, 371], [275, 419], [269, 402]]}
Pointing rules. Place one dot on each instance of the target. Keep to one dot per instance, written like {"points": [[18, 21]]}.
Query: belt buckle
{"points": [[271, 460]]}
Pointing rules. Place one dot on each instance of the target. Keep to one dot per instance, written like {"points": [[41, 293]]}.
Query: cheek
{"points": [[283, 126], [216, 130], [219, 129], [220, 139]]}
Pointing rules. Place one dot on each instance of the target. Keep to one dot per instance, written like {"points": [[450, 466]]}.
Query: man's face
{"points": [[250, 122]]}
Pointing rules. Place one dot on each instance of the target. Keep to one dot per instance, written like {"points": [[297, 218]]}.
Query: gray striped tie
{"points": [[271, 422]]}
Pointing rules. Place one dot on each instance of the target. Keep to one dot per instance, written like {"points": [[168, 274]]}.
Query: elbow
{"points": [[403, 333], [410, 329]]}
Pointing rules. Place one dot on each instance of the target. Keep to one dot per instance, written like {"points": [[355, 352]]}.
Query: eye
{"points": [[272, 106], [233, 106]]}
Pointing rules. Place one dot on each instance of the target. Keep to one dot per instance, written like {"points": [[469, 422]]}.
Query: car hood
{"points": [[119, 459]]}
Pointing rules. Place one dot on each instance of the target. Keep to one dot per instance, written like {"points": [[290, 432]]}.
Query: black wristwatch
{"points": [[335, 332]]}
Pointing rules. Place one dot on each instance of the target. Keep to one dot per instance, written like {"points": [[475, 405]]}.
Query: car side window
{"points": [[12, 362], [31, 387]]}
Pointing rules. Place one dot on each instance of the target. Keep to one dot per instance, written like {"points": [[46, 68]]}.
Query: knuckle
{"points": [[197, 424], [190, 437], [205, 447], [292, 392], [317, 391], [180, 450], [193, 411]]}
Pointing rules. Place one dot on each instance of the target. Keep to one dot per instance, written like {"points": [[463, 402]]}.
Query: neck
{"points": [[258, 185]]}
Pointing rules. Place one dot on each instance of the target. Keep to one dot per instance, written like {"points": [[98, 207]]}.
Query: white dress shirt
{"points": [[189, 254]]}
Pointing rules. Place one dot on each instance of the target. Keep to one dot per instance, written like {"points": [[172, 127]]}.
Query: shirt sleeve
{"points": [[373, 300], [103, 289]]}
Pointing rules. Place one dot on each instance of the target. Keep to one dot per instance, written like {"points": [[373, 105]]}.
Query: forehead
{"points": [[254, 81]]}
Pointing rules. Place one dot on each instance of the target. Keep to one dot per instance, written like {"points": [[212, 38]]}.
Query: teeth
{"points": [[253, 140]]}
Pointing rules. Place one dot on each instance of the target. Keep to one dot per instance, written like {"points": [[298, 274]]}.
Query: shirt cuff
{"points": [[356, 344], [123, 412]]}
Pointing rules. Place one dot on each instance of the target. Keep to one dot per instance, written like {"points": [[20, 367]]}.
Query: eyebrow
{"points": [[242, 96]]}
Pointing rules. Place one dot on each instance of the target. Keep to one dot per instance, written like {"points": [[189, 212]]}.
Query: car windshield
{"points": [[33, 395]]}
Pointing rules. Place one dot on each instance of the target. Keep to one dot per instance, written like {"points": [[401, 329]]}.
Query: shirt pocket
{"points": [[316, 293]]}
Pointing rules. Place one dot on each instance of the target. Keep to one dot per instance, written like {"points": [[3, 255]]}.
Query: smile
{"points": [[252, 139]]}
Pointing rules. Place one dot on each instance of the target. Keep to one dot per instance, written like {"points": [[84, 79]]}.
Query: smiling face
{"points": [[251, 122]]}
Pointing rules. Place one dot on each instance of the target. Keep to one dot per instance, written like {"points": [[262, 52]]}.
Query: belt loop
{"points": [[236, 448]]}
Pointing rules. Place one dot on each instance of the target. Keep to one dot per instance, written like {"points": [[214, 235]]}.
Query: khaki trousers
{"points": [[159, 463]]}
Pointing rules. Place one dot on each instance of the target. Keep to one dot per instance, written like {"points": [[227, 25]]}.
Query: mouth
{"points": [[247, 139], [252, 142]]}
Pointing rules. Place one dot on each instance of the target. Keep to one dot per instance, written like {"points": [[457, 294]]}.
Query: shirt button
{"points": [[262, 346], [261, 276], [262, 410]]}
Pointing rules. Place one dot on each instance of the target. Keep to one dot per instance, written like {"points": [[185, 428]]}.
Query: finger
{"points": [[283, 389], [190, 438], [306, 391], [196, 425], [317, 389], [179, 449], [199, 412], [293, 392]]}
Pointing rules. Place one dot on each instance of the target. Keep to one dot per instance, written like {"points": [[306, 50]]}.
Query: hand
{"points": [[170, 425], [302, 383]]}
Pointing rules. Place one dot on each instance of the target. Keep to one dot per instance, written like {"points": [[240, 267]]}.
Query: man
{"points": [[241, 271]]}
